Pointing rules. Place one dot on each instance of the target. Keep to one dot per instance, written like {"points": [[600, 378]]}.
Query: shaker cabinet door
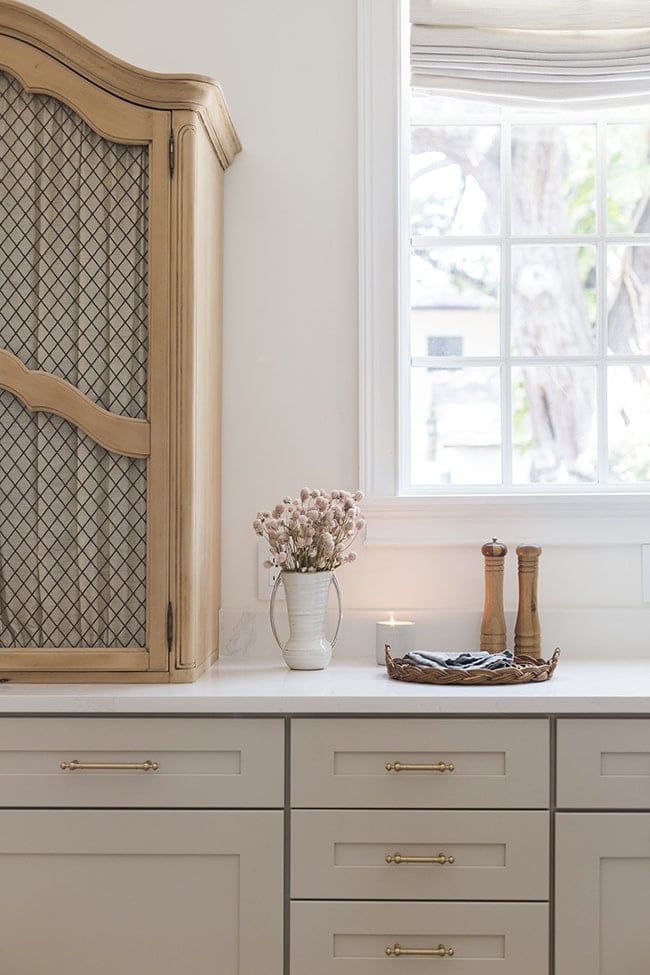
{"points": [[602, 885], [135, 892]]}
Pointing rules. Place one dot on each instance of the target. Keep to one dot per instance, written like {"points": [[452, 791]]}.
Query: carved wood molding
{"points": [[42, 391], [163, 91], [66, 660]]}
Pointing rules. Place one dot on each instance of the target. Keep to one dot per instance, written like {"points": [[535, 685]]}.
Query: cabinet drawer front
{"points": [[603, 763], [497, 763], [202, 762], [350, 938], [496, 855]]}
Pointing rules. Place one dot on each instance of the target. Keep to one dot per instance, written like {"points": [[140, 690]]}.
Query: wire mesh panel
{"points": [[73, 238], [72, 536], [73, 303]]}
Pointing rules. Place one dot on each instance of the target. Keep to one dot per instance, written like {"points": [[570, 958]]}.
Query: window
{"points": [[530, 240], [449, 285]]}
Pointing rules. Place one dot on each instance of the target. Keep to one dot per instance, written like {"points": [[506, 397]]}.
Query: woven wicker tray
{"points": [[525, 670]]}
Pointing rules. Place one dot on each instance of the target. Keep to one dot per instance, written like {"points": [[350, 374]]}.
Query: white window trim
{"points": [[551, 517]]}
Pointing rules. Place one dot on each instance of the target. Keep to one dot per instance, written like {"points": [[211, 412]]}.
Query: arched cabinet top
{"points": [[162, 91]]}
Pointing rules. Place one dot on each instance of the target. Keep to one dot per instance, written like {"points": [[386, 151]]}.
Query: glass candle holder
{"points": [[398, 634]]}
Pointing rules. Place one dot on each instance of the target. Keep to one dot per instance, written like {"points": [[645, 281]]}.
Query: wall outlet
{"points": [[266, 577]]}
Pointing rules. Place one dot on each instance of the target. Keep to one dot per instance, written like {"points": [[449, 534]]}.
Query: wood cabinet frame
{"points": [[191, 140]]}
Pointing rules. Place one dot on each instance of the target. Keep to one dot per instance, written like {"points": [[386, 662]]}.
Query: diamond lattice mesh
{"points": [[73, 239], [73, 302], [72, 536]]}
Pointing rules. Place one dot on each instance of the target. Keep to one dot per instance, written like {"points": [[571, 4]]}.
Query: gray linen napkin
{"points": [[478, 660]]}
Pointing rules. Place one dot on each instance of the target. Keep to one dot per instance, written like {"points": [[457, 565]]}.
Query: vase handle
{"points": [[274, 591], [272, 610], [338, 597]]}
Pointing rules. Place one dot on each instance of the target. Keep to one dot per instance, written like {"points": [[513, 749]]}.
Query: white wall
{"points": [[288, 70]]}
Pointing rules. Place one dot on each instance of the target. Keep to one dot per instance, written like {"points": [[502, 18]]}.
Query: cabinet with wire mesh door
{"points": [[111, 187]]}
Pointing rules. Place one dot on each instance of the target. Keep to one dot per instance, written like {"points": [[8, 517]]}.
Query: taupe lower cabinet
{"points": [[111, 189], [195, 889], [603, 858], [176, 845], [419, 842]]}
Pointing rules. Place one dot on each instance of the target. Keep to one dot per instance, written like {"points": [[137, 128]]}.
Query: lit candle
{"points": [[398, 634]]}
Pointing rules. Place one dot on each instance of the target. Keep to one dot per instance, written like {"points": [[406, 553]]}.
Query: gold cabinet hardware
{"points": [[398, 858], [440, 951], [75, 766], [401, 767]]}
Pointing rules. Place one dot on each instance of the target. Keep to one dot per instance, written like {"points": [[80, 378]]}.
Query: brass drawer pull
{"points": [[398, 858], [400, 767], [147, 766], [440, 951]]}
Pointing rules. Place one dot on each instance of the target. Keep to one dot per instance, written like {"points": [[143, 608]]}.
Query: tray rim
{"points": [[525, 670]]}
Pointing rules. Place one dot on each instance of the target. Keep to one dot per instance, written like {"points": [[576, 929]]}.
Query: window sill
{"points": [[549, 520]]}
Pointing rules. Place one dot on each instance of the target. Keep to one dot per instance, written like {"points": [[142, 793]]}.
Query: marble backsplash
{"points": [[580, 633]]}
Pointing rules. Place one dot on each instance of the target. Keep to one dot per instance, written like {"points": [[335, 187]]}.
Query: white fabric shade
{"points": [[589, 58], [556, 15]]}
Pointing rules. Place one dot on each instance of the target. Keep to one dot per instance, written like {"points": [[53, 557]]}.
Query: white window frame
{"points": [[546, 517]]}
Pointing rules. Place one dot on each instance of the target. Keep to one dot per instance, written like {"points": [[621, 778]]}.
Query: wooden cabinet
{"points": [[129, 889], [397, 849], [602, 871], [111, 191]]}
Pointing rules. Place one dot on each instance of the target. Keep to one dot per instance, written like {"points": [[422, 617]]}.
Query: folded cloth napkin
{"points": [[480, 660]]}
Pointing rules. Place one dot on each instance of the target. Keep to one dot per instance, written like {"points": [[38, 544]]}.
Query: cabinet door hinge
{"points": [[170, 626], [172, 151]]}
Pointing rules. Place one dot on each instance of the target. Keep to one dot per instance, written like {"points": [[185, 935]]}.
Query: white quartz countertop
{"points": [[346, 687]]}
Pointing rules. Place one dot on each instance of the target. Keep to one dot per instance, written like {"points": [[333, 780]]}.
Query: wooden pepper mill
{"points": [[528, 635], [493, 624]]}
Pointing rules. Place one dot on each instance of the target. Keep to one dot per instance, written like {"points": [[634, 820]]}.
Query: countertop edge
{"points": [[581, 687]]}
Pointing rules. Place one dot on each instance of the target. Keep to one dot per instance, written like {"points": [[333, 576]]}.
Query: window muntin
{"points": [[529, 241]]}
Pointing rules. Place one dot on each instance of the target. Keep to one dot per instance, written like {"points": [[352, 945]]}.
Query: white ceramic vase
{"points": [[306, 594]]}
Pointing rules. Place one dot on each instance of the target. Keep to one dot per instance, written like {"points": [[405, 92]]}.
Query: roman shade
{"points": [[592, 54]]}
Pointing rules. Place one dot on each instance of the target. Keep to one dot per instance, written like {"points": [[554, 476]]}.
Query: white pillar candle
{"points": [[398, 634]]}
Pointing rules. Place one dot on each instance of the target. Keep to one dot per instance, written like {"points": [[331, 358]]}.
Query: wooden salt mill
{"points": [[493, 624], [527, 629]]}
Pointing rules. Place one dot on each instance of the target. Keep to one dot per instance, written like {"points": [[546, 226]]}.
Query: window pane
{"points": [[554, 424], [552, 190], [553, 300], [628, 300], [454, 292], [628, 402], [455, 426], [628, 178], [454, 180]]}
